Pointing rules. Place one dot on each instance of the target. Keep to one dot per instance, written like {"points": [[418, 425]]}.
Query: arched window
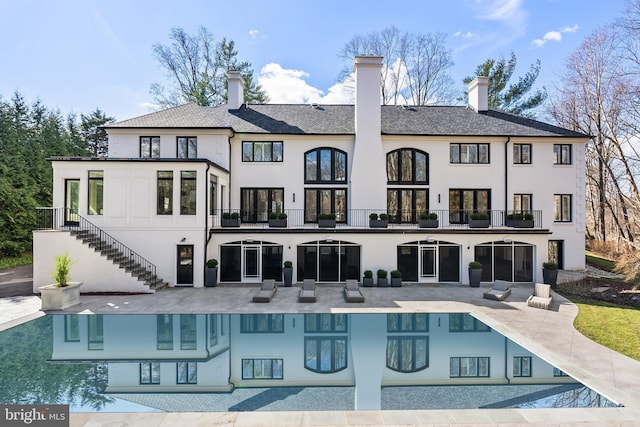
{"points": [[325, 165], [408, 166]]}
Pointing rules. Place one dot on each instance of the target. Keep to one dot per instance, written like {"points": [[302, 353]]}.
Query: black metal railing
{"points": [[67, 219], [360, 218]]}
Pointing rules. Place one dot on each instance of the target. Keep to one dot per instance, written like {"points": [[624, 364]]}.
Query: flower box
{"points": [[278, 223], [428, 223], [230, 222]]}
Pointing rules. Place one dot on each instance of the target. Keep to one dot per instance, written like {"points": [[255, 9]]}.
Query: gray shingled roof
{"points": [[301, 119]]}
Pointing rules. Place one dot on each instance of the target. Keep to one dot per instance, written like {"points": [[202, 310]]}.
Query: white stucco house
{"points": [[174, 177]]}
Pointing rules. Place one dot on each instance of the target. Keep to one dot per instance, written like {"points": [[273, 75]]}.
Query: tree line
{"points": [[29, 134], [600, 96]]}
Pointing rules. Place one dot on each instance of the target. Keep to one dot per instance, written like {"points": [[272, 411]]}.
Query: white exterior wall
{"points": [[212, 145], [130, 215], [96, 273]]}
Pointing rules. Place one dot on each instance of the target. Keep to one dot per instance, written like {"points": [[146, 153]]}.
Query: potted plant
{"points": [[327, 220], [230, 219], [475, 274], [287, 273], [520, 220], [211, 274], [278, 219], [396, 278], [378, 221], [428, 220], [62, 294], [550, 273], [383, 282], [479, 220], [367, 280]]}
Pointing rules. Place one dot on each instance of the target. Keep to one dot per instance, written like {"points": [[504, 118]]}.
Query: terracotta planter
{"points": [[60, 298]]}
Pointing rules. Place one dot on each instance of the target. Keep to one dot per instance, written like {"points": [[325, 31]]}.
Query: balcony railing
{"points": [[360, 218]]}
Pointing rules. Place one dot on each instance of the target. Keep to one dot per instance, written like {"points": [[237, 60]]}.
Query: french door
{"points": [[71, 201], [251, 265]]}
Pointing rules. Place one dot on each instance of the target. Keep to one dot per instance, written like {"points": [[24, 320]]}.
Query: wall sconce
{"points": [[294, 197], [184, 239], [438, 321], [438, 198]]}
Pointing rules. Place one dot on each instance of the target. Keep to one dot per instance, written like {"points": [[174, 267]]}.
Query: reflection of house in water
{"points": [[219, 352]]}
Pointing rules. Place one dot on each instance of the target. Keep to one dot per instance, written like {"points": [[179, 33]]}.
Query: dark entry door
{"points": [[185, 265]]}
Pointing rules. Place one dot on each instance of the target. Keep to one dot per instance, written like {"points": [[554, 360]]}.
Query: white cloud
{"points": [[501, 10], [254, 34], [287, 86], [150, 106], [555, 35], [466, 35]]}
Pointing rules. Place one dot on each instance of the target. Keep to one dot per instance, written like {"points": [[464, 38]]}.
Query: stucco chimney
{"points": [[235, 91], [477, 91], [368, 183]]}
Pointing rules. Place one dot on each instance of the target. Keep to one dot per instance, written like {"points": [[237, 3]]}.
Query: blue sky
{"points": [[76, 55]]}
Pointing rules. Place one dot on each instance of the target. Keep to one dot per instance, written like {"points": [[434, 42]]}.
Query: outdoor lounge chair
{"points": [[308, 291], [266, 292], [352, 292], [499, 291], [541, 297]]}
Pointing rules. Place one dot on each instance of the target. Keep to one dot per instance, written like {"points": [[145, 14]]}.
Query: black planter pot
{"points": [[367, 282], [550, 277], [227, 222], [383, 282], [428, 223], [326, 223], [287, 276], [479, 223], [378, 223], [211, 277], [474, 277], [396, 282], [278, 223]]}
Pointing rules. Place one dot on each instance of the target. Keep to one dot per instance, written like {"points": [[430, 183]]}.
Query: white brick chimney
{"points": [[478, 91], [235, 91], [368, 179]]}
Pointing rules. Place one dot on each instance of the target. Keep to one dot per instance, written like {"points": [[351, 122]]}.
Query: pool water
{"points": [[277, 362]]}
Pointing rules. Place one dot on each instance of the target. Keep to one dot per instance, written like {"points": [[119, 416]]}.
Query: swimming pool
{"points": [[277, 362]]}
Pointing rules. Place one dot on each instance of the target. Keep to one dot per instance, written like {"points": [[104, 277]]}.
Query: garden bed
{"points": [[602, 289]]}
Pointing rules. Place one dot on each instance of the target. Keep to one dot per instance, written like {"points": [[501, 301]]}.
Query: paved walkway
{"points": [[549, 334]]}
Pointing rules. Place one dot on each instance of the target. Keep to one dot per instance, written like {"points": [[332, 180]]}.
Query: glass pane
{"points": [[526, 153], [392, 166], [95, 193], [247, 152], [454, 155], [483, 153], [421, 353], [392, 202], [325, 165], [340, 354], [258, 152], [503, 263], [183, 152], [267, 152], [277, 152], [325, 355], [428, 262], [188, 193], [145, 373], [454, 367], [247, 369], [483, 200], [310, 200], [421, 167], [155, 147], [311, 166], [165, 193], [392, 353], [341, 205], [523, 263], [277, 369], [193, 148], [407, 166], [449, 264], [340, 166], [262, 205], [145, 148], [566, 207]]}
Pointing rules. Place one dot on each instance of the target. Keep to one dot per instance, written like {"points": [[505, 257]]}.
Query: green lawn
{"points": [[612, 326], [600, 262], [16, 262]]}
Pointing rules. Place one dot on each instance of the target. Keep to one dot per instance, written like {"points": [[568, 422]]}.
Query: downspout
{"points": [[506, 362], [207, 181], [506, 176]]}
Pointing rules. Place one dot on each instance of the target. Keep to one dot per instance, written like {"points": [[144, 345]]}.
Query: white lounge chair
{"points": [[352, 292], [308, 291], [266, 292], [500, 291], [541, 297]]}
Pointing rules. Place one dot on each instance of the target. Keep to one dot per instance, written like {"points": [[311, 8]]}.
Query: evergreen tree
{"points": [[92, 132], [512, 98]]}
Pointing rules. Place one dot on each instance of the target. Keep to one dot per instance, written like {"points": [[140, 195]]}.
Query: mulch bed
{"points": [[602, 289]]}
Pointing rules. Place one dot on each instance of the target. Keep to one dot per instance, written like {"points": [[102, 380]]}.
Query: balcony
{"points": [[361, 219]]}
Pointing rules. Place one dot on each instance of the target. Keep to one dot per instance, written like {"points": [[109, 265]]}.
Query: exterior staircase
{"points": [[102, 242], [119, 257]]}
